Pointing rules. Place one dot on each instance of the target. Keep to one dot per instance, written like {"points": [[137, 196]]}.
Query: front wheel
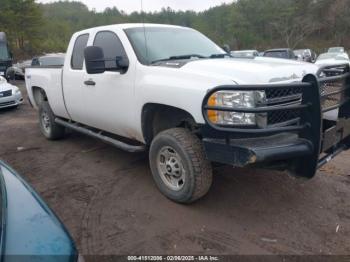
{"points": [[49, 128], [179, 165]]}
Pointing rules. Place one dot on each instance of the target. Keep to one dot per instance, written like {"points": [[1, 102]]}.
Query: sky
{"points": [[149, 5]]}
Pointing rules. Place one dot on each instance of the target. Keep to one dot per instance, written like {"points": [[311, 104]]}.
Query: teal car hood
{"points": [[29, 228]]}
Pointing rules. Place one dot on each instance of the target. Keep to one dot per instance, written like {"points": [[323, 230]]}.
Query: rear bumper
{"points": [[301, 146]]}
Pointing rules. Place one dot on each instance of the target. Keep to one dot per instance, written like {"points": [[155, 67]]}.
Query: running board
{"points": [[100, 136]]}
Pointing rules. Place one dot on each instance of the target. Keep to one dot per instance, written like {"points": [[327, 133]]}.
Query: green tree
{"points": [[22, 21]]}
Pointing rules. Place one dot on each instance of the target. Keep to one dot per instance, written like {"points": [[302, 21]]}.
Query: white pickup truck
{"points": [[174, 92]]}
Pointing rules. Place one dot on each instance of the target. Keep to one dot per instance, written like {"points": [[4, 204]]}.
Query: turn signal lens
{"points": [[212, 114]]}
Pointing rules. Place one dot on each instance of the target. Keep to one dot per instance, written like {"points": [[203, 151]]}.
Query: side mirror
{"points": [[94, 60], [227, 48]]}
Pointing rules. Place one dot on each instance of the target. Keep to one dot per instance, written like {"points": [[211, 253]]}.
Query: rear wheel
{"points": [[49, 128], [179, 165]]}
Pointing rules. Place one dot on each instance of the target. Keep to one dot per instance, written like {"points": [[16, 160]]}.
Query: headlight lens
{"points": [[235, 99]]}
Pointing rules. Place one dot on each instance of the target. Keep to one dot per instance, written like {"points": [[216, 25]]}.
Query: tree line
{"points": [[34, 28]]}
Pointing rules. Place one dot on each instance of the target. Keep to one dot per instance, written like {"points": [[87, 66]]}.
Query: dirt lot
{"points": [[108, 201]]}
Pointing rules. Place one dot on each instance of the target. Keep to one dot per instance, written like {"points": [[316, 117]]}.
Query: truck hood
{"points": [[259, 70]]}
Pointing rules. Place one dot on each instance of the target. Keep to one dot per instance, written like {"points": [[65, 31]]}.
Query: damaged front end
{"points": [[291, 130]]}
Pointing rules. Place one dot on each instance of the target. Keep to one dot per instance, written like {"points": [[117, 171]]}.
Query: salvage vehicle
{"points": [[5, 55], [284, 53], [30, 231], [332, 59], [306, 55], [10, 95], [174, 92], [16, 72]]}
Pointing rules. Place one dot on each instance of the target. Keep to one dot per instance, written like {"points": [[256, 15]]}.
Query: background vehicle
{"points": [[17, 71], [332, 59], [284, 53], [245, 53], [306, 55], [49, 60], [30, 230], [10, 95], [190, 104], [5, 55], [336, 50]]}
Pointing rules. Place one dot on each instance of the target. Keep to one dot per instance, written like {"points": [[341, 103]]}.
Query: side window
{"points": [[112, 47], [78, 52]]}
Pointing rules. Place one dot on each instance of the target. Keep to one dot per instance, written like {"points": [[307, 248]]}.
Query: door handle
{"points": [[90, 83]]}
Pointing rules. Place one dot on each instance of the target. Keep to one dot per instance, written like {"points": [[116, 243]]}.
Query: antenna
{"points": [[144, 28]]}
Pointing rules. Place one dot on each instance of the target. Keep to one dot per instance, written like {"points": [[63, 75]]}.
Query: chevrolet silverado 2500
{"points": [[174, 92]]}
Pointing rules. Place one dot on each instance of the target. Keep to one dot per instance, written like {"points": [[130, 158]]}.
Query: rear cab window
{"points": [[77, 60]]}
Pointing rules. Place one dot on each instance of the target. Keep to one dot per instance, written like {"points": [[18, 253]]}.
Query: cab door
{"points": [[73, 73], [109, 97]]}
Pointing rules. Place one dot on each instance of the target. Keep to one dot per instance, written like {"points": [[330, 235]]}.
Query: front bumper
{"points": [[11, 101], [300, 146], [243, 152]]}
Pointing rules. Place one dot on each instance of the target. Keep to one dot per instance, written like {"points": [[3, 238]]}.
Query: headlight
{"points": [[235, 99]]}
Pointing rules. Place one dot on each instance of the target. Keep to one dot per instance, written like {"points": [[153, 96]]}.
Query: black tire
{"points": [[197, 175], [48, 127]]}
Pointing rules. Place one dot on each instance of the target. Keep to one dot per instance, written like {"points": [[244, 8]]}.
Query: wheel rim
{"points": [[45, 121], [170, 168]]}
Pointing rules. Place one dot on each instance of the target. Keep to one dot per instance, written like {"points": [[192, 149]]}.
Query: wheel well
{"points": [[157, 118], [39, 95]]}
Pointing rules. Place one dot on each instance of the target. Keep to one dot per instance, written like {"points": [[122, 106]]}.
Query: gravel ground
{"points": [[109, 203]]}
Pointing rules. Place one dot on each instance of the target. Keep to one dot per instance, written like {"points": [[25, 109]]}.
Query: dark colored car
{"points": [[284, 53], [5, 55], [30, 231]]}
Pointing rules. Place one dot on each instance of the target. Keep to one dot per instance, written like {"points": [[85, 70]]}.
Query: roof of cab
{"points": [[127, 26]]}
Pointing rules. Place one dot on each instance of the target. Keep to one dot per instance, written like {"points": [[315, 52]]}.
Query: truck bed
{"points": [[50, 78]]}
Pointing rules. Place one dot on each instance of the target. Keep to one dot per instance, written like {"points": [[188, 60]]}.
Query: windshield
{"points": [[4, 53], [167, 42], [336, 50]]}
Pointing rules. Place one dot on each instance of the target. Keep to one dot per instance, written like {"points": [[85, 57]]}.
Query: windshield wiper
{"points": [[220, 55], [179, 57]]}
